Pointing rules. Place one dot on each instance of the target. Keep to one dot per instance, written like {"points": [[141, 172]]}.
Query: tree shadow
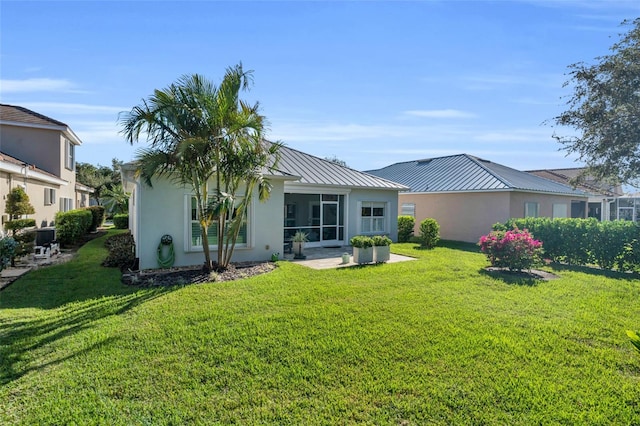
{"points": [[21, 337], [513, 278], [616, 275]]}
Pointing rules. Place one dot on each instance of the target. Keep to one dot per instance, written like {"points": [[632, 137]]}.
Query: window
{"points": [[408, 209], [530, 209], [49, 196], [66, 204], [69, 157], [373, 218], [195, 232], [559, 211]]}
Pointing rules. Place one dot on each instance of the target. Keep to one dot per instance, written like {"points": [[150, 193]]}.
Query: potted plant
{"points": [[381, 249], [362, 249], [298, 240]]}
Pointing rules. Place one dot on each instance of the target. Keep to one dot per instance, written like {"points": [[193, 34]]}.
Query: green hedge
{"points": [[121, 221], [72, 225], [97, 219], [608, 244], [405, 228]]}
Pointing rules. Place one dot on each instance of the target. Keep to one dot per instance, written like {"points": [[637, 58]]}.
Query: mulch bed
{"points": [[194, 275], [535, 274]]}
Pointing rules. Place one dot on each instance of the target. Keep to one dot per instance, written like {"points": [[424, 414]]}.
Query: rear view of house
{"points": [[467, 194]]}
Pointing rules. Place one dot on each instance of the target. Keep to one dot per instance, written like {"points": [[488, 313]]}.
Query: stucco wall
{"points": [[545, 203], [163, 209], [363, 195], [462, 217], [44, 215]]}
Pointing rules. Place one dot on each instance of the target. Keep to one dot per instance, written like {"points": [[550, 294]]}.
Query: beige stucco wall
{"points": [[461, 216], [44, 215], [43, 148], [163, 209], [468, 216]]}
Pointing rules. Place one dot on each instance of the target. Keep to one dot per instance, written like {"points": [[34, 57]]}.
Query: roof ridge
{"points": [[478, 161], [35, 114]]}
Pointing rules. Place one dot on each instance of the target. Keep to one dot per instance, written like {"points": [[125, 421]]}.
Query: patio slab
{"points": [[331, 257]]}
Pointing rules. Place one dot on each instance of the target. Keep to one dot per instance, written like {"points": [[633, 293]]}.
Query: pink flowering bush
{"points": [[514, 249]]}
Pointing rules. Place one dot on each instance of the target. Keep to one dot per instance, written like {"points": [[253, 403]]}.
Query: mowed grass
{"points": [[432, 341]]}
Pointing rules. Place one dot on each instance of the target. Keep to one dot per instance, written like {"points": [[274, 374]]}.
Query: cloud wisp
{"points": [[440, 113], [31, 85]]}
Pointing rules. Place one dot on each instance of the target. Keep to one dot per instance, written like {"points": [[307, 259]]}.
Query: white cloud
{"points": [[36, 85], [440, 113], [72, 108]]}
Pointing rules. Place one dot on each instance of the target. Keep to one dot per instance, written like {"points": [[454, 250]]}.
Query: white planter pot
{"points": [[381, 254], [298, 250], [363, 255]]}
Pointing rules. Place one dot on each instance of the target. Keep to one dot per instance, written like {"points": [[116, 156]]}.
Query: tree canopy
{"points": [[204, 136], [605, 111]]}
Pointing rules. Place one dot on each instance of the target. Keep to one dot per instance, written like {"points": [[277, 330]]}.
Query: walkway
{"points": [[331, 257]]}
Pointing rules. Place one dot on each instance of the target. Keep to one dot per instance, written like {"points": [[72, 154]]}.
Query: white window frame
{"points": [[66, 204], [190, 247], [49, 196], [384, 219], [529, 206], [560, 211], [69, 155], [408, 209]]}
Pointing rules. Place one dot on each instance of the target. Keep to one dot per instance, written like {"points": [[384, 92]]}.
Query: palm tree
{"points": [[202, 135]]}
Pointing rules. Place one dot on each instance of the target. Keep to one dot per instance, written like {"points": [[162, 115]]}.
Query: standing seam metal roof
{"points": [[465, 173]]}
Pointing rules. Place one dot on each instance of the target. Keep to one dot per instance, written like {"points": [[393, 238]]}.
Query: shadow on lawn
{"points": [[616, 275], [514, 278], [21, 337]]}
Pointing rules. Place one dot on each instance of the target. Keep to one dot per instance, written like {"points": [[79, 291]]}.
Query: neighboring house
{"points": [[601, 195], [39, 154], [330, 202], [83, 196], [466, 195]]}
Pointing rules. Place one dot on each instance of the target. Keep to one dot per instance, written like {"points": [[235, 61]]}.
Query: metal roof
{"points": [[466, 173], [317, 171]]}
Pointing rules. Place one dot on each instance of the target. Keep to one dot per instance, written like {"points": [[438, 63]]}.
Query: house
{"points": [[331, 203], [466, 195], [37, 153], [601, 194]]}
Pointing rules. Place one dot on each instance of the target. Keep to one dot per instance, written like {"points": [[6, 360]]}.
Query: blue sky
{"points": [[372, 83]]}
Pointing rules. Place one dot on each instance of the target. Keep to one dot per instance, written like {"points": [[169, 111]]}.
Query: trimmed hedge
{"points": [[121, 221], [121, 251], [608, 244], [98, 213], [72, 225], [405, 228]]}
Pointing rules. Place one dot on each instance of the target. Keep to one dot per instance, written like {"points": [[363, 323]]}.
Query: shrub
{"points": [[18, 224], [97, 217], [361, 241], [24, 238], [7, 251], [513, 249], [381, 240], [121, 221], [72, 225], [121, 251], [429, 233], [405, 228], [635, 339]]}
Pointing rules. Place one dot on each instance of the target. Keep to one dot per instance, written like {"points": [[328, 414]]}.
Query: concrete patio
{"points": [[331, 257]]}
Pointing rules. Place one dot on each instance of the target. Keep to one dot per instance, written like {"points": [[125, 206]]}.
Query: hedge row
{"points": [[72, 225], [608, 244]]}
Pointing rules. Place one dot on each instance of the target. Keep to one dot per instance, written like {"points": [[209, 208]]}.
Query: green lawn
{"points": [[434, 341]]}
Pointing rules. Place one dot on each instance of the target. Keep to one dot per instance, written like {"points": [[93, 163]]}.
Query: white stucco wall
{"points": [[163, 209], [358, 196]]}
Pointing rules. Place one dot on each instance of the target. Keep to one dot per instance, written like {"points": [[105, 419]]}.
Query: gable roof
{"points": [[313, 170], [589, 185], [466, 173], [14, 165], [20, 116]]}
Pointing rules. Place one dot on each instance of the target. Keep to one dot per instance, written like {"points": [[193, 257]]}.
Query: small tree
{"points": [[18, 205], [429, 233], [405, 228]]}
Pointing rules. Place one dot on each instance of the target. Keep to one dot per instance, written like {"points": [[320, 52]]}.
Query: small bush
{"points": [[23, 237], [513, 249], [7, 251], [429, 233], [381, 240], [121, 251], [17, 224], [121, 221], [97, 217], [405, 228], [72, 225], [361, 241], [635, 339]]}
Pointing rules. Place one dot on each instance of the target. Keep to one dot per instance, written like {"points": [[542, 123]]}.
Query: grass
{"points": [[434, 341]]}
